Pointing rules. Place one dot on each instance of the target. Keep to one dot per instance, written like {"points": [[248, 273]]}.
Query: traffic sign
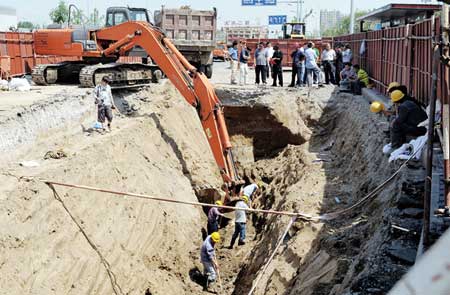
{"points": [[258, 2], [277, 19]]}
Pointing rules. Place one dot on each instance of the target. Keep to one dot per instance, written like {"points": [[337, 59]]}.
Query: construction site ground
{"points": [[316, 153]]}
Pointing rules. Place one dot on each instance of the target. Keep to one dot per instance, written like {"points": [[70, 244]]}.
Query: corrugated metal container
{"points": [[402, 54], [5, 66], [287, 46], [18, 47]]}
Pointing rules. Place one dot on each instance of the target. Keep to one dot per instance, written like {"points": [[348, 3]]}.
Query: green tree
{"points": [[343, 27], [60, 14], [26, 25], [77, 17], [95, 18]]}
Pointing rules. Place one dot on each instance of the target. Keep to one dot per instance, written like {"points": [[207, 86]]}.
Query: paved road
{"points": [[222, 74]]}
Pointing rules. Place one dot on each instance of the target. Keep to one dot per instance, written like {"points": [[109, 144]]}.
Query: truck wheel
{"points": [[208, 71]]}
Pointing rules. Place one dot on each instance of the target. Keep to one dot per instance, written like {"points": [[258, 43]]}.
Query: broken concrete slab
{"points": [[397, 251]]}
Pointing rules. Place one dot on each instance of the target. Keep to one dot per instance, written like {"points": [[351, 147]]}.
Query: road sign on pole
{"points": [[259, 2], [277, 19]]}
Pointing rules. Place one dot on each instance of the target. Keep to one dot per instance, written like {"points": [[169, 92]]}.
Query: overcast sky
{"points": [[37, 11]]}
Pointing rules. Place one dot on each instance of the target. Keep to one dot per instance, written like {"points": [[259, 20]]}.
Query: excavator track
{"points": [[129, 75], [45, 74], [123, 75]]}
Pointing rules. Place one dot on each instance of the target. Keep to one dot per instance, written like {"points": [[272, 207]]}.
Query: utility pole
{"points": [[352, 16], [300, 10]]}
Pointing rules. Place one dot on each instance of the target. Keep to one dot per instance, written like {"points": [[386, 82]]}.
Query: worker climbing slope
{"points": [[251, 190]]}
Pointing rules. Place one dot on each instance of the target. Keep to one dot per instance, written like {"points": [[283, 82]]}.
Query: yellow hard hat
{"points": [[376, 107], [245, 198], [215, 237], [219, 202], [393, 85], [260, 184], [397, 95]]}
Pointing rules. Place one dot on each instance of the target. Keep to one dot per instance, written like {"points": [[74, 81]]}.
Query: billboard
{"points": [[258, 2], [277, 19]]}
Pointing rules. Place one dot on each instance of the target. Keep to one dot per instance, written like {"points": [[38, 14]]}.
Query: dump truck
{"points": [[193, 32]]}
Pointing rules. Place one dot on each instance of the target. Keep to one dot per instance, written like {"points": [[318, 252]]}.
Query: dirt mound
{"points": [[147, 244]]}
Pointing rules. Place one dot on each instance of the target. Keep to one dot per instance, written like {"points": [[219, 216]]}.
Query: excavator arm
{"points": [[193, 85]]}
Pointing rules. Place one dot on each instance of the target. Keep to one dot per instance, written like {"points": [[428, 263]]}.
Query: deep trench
{"points": [[258, 135]]}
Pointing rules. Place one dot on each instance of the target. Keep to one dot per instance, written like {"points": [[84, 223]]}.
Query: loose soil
{"points": [[315, 154]]}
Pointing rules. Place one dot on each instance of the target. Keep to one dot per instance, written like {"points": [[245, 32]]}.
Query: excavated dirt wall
{"points": [[149, 246], [314, 154], [339, 164]]}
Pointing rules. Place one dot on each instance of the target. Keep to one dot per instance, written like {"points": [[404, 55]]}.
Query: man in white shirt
{"points": [[240, 222], [328, 58], [311, 65], [347, 55], [104, 101], [269, 49]]}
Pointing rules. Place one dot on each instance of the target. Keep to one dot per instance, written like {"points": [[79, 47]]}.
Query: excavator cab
{"points": [[294, 30], [117, 15]]}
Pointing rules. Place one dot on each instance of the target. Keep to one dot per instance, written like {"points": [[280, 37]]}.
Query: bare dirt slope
{"points": [[338, 165], [160, 152]]}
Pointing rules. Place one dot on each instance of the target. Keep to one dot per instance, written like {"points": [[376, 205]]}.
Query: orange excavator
{"points": [[194, 86]]}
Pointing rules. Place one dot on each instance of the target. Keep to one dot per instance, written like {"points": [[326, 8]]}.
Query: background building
{"points": [[8, 18], [329, 19], [244, 30]]}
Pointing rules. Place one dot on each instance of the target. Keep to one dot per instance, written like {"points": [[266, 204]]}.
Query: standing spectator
{"points": [[104, 101], [347, 55], [305, 77], [311, 65], [260, 64], [316, 50], [339, 63], [277, 68], [328, 61], [294, 64], [233, 51], [270, 52], [301, 67], [243, 63]]}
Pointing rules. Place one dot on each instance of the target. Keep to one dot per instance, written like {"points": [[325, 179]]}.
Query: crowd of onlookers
{"points": [[309, 66]]}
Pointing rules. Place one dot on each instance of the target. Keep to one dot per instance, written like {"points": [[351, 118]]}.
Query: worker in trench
{"points": [[251, 190], [408, 113], [213, 218], [209, 259], [105, 102], [240, 222]]}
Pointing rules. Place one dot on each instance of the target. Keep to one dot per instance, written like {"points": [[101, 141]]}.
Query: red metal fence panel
{"points": [[287, 46], [18, 49], [402, 54]]}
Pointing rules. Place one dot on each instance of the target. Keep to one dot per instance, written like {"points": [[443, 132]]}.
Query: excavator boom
{"points": [[193, 85]]}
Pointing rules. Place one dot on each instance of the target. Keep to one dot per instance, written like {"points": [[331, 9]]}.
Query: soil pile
{"points": [[160, 152]]}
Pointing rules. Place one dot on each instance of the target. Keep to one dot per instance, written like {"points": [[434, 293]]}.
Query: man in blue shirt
{"points": [[261, 56], [208, 258], [233, 51]]}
